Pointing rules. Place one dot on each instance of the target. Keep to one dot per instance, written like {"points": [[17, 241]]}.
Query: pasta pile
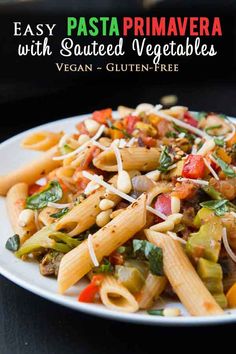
{"points": [[143, 205]]}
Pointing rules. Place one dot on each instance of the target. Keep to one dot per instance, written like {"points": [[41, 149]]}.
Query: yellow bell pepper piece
{"points": [[231, 296]]}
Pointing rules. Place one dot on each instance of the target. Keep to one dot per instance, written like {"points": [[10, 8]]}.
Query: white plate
{"points": [[27, 275]]}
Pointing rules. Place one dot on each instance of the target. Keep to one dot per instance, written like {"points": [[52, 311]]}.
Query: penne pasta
{"points": [[44, 216], [152, 289], [77, 263], [30, 172], [15, 201], [116, 297], [41, 141], [183, 277], [83, 215], [134, 158]]}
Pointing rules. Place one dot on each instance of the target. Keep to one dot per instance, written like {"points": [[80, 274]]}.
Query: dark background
{"points": [[33, 92]]}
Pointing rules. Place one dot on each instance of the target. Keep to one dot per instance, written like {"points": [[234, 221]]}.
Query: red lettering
{"points": [[216, 27], [172, 29], [138, 26], [182, 24], [159, 28], [127, 25], [193, 26], [204, 26]]}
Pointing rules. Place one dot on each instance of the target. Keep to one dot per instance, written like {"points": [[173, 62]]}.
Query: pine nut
{"points": [[154, 175], [92, 126], [106, 204], [26, 217], [175, 205], [124, 182], [171, 312], [103, 218]]}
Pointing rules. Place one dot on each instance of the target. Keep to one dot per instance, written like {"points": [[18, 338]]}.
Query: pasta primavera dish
{"points": [[143, 205]]}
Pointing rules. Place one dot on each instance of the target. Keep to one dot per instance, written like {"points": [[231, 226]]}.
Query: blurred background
{"points": [[32, 91]]}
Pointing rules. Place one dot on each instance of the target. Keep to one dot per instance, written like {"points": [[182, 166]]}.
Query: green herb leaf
{"points": [[60, 213], [152, 253], [188, 136], [111, 126], [52, 193], [13, 243], [220, 207], [228, 171], [213, 127], [105, 267], [219, 142], [165, 160], [171, 135], [156, 312], [212, 192], [201, 115]]}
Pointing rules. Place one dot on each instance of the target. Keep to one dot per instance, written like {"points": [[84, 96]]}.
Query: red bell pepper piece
{"points": [[194, 167], [130, 122], [190, 119], [103, 115], [163, 204], [89, 293]]}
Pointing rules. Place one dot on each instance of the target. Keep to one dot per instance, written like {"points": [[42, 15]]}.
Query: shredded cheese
{"points": [[182, 124], [125, 196], [233, 213], [91, 187], [175, 237], [91, 251], [206, 147], [230, 136], [131, 142], [197, 181], [118, 157], [231, 254], [122, 143], [102, 147], [36, 219], [63, 140], [213, 172], [59, 206], [83, 146]]}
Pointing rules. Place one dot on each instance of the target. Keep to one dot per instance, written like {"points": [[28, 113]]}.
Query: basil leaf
{"points": [[220, 207], [219, 142], [105, 267], [13, 243], [152, 253], [165, 160], [111, 126], [213, 127], [60, 213], [52, 193], [228, 171], [156, 312]]}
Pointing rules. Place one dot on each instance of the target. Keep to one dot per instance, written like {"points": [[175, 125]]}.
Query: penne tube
{"points": [[30, 172], [152, 289], [183, 277], [41, 141], [44, 216], [78, 262], [15, 201], [83, 216], [133, 158], [116, 297]]}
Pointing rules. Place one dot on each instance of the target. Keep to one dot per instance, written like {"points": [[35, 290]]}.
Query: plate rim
{"points": [[93, 309]]}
